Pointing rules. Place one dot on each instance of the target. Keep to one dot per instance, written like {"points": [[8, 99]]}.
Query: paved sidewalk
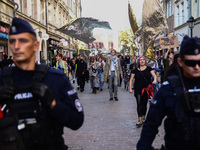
{"points": [[108, 125]]}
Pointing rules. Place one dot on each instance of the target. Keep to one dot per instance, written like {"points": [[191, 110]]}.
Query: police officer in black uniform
{"points": [[35, 106], [178, 101]]}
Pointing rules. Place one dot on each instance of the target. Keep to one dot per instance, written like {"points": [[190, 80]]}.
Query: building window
{"points": [[42, 11], [54, 17], [50, 13], [60, 22], [182, 13], [196, 9], [70, 4], [170, 8], [32, 9], [177, 17], [24, 6]]}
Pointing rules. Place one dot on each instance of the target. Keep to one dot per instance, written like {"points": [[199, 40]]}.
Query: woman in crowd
{"points": [[131, 68], [143, 87], [100, 69], [73, 70], [61, 64], [133, 64], [93, 75], [167, 61]]}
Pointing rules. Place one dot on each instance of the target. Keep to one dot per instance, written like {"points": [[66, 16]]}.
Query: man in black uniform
{"points": [[80, 73], [179, 101], [35, 105]]}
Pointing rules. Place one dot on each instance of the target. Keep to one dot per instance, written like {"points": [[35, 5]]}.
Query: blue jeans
{"points": [[100, 79]]}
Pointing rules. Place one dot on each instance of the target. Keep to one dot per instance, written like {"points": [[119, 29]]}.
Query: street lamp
{"points": [[39, 32], [191, 24]]}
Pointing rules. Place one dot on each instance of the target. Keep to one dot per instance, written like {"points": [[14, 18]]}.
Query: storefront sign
{"points": [[171, 42], [5, 36], [54, 42], [4, 30]]}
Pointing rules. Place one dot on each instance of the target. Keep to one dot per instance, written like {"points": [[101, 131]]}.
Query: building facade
{"points": [[46, 16], [181, 11], [6, 15]]}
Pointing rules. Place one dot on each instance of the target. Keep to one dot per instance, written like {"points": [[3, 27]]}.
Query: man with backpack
{"points": [[36, 101]]}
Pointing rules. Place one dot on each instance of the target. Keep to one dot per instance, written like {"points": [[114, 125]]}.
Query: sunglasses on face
{"points": [[191, 63]]}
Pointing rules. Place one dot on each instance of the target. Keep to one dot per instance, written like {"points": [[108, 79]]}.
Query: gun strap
{"points": [[176, 85]]}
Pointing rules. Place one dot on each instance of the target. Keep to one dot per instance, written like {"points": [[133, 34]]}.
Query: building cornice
{"points": [[4, 17], [31, 20], [181, 26], [9, 3], [52, 30]]}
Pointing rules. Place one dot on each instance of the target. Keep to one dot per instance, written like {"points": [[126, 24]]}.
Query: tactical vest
{"points": [[25, 124], [187, 124]]}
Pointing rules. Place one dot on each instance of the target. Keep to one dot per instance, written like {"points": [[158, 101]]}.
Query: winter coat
{"points": [[118, 69]]}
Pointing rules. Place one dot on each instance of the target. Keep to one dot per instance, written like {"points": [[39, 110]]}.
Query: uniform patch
{"points": [[21, 96], [13, 28], [165, 83], [78, 105], [71, 92], [196, 51]]}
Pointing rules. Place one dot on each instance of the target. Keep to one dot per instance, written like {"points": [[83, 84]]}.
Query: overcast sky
{"points": [[113, 11]]}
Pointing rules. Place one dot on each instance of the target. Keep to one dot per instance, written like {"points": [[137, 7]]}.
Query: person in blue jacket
{"points": [[53, 100], [178, 103]]}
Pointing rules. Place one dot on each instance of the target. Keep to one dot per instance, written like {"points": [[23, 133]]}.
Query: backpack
{"points": [[25, 124]]}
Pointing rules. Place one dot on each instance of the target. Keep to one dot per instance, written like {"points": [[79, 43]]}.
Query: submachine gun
{"points": [[23, 124]]}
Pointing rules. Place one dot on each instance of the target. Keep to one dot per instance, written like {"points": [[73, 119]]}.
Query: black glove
{"points": [[43, 93], [7, 93]]}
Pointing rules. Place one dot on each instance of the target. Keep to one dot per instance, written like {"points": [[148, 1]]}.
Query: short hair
{"points": [[59, 55], [114, 51], [5, 56]]}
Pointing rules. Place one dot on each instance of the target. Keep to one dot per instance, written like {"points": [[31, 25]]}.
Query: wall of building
{"points": [[6, 15], [45, 16]]}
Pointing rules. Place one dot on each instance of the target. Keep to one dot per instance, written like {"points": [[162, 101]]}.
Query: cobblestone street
{"points": [[109, 125]]}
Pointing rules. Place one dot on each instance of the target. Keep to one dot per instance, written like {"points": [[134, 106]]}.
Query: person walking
{"points": [[177, 103], [80, 73], [76, 66], [93, 75], [61, 64], [142, 86], [100, 69], [5, 62], [112, 72], [37, 101], [73, 70]]}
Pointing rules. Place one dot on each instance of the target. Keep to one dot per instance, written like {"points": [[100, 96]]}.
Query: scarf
{"points": [[114, 59], [149, 89]]}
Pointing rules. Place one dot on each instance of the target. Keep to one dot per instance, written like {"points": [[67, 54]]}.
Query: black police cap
{"points": [[190, 46], [20, 26]]}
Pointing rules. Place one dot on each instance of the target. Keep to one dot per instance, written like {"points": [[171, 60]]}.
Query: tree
{"points": [[126, 40]]}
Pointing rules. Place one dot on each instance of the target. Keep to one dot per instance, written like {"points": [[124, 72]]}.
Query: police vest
{"points": [[25, 124], [187, 123]]}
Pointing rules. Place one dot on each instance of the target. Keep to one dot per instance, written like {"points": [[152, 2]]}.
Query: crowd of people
{"points": [[37, 101]]}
